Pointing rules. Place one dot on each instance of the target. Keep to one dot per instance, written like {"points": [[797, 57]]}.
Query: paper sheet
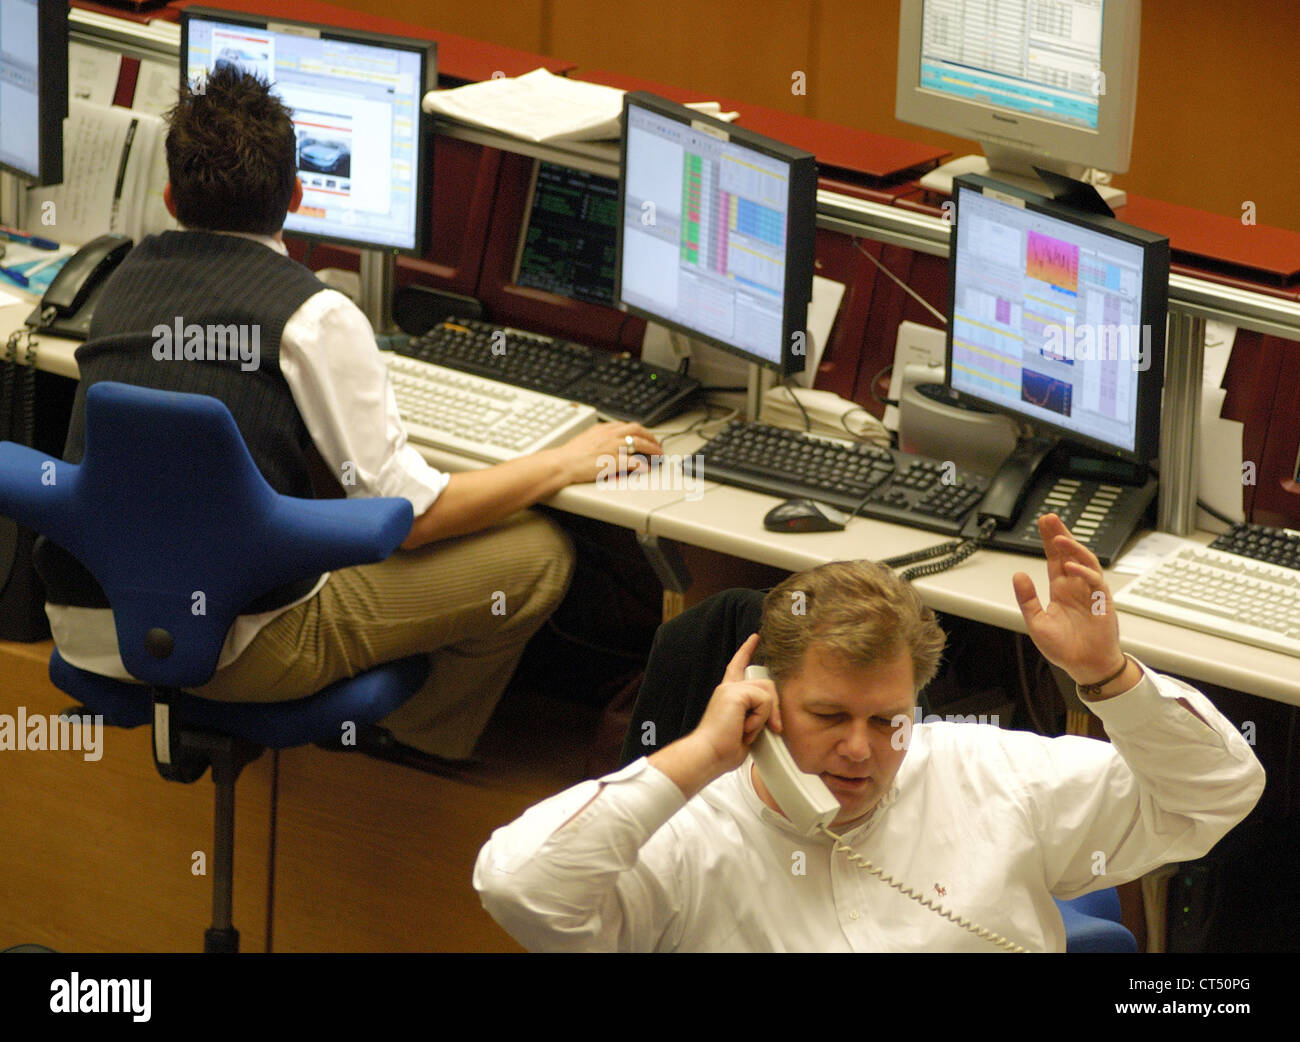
{"points": [[1219, 470], [539, 106], [536, 106], [92, 73], [1219, 337], [110, 161], [155, 87], [825, 305], [1149, 551]]}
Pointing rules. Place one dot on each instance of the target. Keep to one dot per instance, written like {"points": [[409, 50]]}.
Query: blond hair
{"points": [[859, 613]]}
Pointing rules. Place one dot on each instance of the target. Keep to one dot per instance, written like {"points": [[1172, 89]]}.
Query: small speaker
{"points": [[931, 423]]}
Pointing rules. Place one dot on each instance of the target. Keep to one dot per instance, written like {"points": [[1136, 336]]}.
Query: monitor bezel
{"points": [[799, 250], [1051, 143], [426, 49], [1154, 314], [525, 223], [51, 94]]}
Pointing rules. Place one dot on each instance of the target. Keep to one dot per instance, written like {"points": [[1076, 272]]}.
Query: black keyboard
{"points": [[897, 486], [1262, 543], [618, 386]]}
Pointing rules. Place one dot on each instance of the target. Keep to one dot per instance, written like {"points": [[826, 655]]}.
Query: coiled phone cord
{"points": [[923, 899], [957, 550]]}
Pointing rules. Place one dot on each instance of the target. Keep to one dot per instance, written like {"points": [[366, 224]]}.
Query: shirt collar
{"points": [[266, 240]]}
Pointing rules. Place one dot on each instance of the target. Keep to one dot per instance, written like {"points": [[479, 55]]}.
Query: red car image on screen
{"points": [[325, 156]]}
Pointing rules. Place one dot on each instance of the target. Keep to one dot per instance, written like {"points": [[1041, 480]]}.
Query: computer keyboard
{"points": [[1223, 593], [620, 387], [479, 418], [1261, 543], [897, 486]]}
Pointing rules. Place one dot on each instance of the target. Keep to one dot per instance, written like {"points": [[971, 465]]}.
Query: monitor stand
{"points": [[378, 281], [759, 382], [940, 179]]}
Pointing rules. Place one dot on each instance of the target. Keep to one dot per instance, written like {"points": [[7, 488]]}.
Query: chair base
{"points": [[221, 942]]}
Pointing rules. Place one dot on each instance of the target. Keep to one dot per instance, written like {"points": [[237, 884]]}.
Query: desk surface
{"points": [[730, 521]]}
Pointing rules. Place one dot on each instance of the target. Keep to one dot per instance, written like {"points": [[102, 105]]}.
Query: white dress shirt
{"points": [[340, 385], [989, 823]]}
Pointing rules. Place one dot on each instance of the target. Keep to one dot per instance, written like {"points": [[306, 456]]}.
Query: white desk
{"points": [[730, 521]]}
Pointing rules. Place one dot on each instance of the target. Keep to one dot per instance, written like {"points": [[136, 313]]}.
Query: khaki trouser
{"points": [[471, 602]]}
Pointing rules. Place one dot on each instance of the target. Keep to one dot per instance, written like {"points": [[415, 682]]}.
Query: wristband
{"points": [[1093, 690]]}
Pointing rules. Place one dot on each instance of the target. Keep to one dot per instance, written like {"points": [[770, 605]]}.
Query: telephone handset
{"points": [[811, 807], [1005, 498], [803, 798], [67, 306]]}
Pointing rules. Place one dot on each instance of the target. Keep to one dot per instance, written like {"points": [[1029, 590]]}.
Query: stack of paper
{"points": [[114, 171], [540, 107]]}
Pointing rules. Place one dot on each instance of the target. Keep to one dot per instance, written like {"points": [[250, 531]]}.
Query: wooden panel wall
{"points": [[1215, 126]]}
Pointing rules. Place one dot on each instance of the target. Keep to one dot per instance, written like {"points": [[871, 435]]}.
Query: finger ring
{"points": [[631, 442]]}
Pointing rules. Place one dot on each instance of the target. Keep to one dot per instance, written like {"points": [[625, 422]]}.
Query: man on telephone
{"points": [[688, 850], [478, 573]]}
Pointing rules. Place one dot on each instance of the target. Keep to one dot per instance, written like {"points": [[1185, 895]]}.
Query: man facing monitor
{"points": [[689, 851], [476, 576]]}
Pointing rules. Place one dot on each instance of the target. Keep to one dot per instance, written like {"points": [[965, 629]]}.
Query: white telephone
{"points": [[812, 808], [803, 798]]}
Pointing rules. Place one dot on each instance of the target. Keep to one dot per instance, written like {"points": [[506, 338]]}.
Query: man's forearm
{"points": [[476, 499]]}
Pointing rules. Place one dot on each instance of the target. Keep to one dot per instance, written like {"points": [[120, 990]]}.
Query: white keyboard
{"points": [[1236, 597], [480, 418]]}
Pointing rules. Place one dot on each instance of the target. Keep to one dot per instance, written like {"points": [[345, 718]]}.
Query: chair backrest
{"points": [[169, 513]]}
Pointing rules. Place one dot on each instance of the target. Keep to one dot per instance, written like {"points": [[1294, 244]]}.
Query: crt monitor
{"points": [[363, 150], [716, 231], [1058, 317], [33, 88], [570, 234], [1048, 83]]}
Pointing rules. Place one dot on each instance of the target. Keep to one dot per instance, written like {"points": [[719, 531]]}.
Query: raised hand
{"points": [[1077, 630]]}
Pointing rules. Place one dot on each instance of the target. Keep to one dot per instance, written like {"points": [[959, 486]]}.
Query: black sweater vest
{"points": [[201, 313]]}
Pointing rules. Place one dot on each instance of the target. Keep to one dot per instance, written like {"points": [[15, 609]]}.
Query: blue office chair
{"points": [[168, 504], [1092, 924]]}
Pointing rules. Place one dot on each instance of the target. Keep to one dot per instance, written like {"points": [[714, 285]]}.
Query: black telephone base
{"points": [[1101, 515]]}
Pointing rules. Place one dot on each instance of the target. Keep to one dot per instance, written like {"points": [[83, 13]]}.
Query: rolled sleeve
{"points": [[340, 385]]}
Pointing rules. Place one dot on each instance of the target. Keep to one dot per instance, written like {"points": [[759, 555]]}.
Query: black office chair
{"points": [[167, 503]]}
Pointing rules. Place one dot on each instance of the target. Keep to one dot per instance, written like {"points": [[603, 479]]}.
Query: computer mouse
{"points": [[805, 515]]}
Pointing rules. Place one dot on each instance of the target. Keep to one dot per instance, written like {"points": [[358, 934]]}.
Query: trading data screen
{"points": [[570, 237], [19, 100], [1032, 57], [356, 110], [1046, 319], [704, 233]]}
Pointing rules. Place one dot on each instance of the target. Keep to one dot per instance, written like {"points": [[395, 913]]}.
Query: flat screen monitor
{"points": [[1058, 317], [363, 146], [570, 234], [1049, 83], [716, 231], [33, 88]]}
